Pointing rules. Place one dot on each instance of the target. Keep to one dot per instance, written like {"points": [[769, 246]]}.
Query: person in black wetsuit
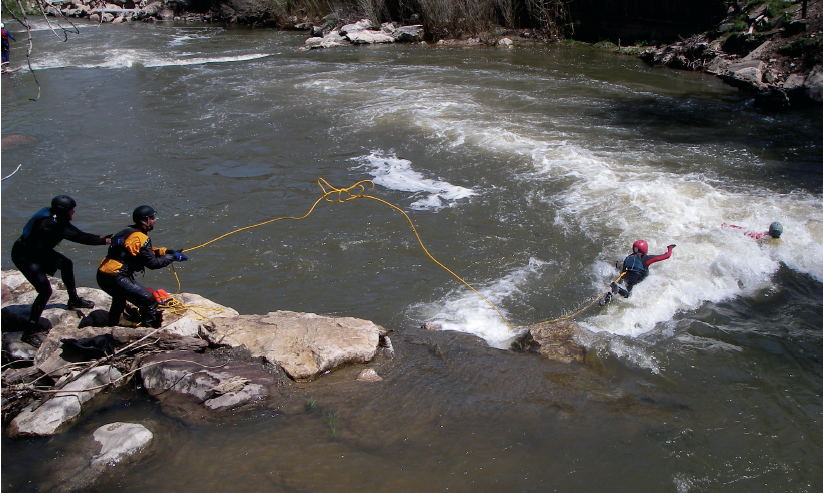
{"points": [[131, 252], [635, 269], [34, 255]]}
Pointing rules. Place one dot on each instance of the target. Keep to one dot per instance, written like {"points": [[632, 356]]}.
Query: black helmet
{"points": [[62, 203], [141, 213], [775, 229]]}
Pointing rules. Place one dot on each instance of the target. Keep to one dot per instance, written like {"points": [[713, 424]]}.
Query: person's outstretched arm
{"points": [[657, 258]]}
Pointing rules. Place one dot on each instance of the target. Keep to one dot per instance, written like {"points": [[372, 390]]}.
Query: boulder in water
{"points": [[120, 440], [48, 418], [111, 445], [557, 341], [368, 37], [189, 381], [304, 344]]}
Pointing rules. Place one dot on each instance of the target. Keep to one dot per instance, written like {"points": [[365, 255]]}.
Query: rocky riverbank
{"points": [[204, 361], [771, 50]]}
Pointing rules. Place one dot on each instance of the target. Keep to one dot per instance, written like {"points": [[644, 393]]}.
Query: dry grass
{"points": [[440, 18]]}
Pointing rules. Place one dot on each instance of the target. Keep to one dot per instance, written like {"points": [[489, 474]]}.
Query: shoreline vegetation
{"points": [[772, 49]]}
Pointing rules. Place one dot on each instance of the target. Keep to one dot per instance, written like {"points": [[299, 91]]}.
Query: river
{"points": [[528, 172]]}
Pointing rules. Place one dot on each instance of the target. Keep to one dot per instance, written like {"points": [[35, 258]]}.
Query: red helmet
{"points": [[640, 246]]}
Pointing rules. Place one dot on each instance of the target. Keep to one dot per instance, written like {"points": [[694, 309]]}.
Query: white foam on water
{"points": [[326, 85], [37, 24], [127, 58], [638, 198], [464, 311], [711, 263], [632, 193], [637, 356], [202, 61], [395, 173], [194, 35], [621, 189]]}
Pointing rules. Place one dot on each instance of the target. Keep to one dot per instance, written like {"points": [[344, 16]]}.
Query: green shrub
{"points": [[802, 46], [12, 7], [440, 18], [741, 23], [777, 8], [605, 45]]}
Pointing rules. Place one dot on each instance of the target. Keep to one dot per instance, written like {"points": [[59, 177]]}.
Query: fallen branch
{"points": [[113, 383]]}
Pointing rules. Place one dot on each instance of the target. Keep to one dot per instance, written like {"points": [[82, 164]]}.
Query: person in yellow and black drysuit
{"points": [[131, 252]]}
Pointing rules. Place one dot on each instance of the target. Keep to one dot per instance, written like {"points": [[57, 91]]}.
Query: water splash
{"points": [[464, 311], [395, 173]]}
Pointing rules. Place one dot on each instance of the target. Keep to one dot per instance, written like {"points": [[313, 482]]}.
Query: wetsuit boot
{"points": [[75, 301], [78, 302], [30, 335], [616, 288], [151, 317]]}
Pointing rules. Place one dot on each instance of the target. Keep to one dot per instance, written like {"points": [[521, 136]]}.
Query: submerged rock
{"points": [[118, 441], [557, 341], [190, 381], [15, 140], [83, 463], [369, 375]]}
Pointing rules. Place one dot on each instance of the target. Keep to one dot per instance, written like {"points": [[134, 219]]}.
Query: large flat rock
{"points": [[304, 344]]}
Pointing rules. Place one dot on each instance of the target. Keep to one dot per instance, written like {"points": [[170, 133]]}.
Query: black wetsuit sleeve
{"points": [[151, 261], [72, 233]]}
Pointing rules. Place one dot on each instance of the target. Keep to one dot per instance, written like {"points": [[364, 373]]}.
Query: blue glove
{"points": [[121, 241], [179, 257]]}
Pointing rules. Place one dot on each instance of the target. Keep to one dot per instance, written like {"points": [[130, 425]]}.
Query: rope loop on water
{"points": [[360, 190]]}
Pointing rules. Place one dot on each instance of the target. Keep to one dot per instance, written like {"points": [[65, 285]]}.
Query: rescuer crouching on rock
{"points": [[33, 253], [131, 252]]}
